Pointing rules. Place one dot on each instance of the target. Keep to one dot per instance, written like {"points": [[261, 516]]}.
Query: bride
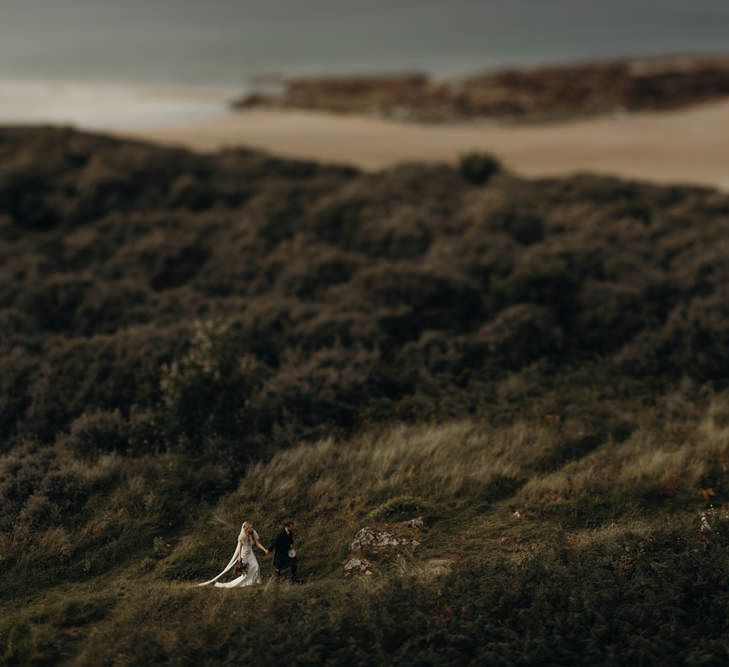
{"points": [[244, 558]]}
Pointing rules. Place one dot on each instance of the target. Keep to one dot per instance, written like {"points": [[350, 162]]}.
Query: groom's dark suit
{"points": [[280, 547]]}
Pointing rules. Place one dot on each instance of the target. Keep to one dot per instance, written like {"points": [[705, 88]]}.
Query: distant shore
{"points": [[528, 94]]}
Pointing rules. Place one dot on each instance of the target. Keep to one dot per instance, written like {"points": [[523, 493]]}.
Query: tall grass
{"points": [[551, 553], [671, 462]]}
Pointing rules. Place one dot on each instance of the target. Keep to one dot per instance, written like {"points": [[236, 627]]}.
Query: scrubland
{"points": [[535, 368]]}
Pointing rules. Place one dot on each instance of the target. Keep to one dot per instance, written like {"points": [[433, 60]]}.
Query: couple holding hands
{"points": [[244, 565]]}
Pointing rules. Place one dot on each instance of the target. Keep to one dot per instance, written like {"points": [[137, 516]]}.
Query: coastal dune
{"points": [[685, 146]]}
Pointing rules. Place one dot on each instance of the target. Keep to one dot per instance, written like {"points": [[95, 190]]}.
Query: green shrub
{"points": [[477, 168], [100, 431], [209, 390]]}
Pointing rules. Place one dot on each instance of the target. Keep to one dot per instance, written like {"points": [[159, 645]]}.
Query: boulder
{"points": [[375, 538], [384, 542], [357, 565]]}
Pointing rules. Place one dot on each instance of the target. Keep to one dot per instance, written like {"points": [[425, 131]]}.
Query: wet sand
{"points": [[687, 146]]}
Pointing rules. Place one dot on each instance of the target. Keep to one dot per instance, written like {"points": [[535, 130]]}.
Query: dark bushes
{"points": [[207, 392], [432, 300], [694, 334], [99, 431], [104, 372], [167, 318], [518, 336], [44, 486], [356, 294], [478, 167]]}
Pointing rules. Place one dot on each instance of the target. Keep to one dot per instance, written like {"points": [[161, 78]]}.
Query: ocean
{"points": [[99, 63]]}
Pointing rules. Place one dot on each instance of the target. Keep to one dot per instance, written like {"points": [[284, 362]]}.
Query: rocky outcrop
{"points": [[373, 538], [439, 566], [357, 565], [542, 93], [382, 543]]}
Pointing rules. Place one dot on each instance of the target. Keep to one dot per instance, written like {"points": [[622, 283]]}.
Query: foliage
{"points": [[532, 577], [478, 167], [535, 367], [208, 390]]}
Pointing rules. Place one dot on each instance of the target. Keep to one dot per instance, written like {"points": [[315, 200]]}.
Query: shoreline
{"points": [[688, 146], [103, 106]]}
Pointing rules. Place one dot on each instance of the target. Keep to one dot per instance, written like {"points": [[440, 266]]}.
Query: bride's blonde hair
{"points": [[244, 529]]}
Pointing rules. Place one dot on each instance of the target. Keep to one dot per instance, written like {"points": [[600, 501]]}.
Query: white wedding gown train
{"points": [[251, 576]]}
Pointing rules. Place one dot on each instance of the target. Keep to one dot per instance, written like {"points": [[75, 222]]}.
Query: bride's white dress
{"points": [[244, 550]]}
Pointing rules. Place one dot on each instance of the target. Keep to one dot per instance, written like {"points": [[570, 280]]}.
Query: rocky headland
{"points": [[553, 92]]}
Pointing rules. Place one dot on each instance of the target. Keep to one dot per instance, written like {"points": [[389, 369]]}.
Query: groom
{"points": [[284, 554]]}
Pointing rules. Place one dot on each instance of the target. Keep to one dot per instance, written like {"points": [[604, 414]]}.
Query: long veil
{"points": [[232, 560], [227, 567]]}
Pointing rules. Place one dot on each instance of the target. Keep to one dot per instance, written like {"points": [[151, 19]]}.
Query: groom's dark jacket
{"points": [[280, 547]]}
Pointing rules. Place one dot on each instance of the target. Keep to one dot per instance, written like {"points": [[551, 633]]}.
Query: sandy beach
{"points": [[686, 146]]}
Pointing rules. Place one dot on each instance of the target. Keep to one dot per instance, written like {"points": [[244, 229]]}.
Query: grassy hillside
{"points": [[535, 368]]}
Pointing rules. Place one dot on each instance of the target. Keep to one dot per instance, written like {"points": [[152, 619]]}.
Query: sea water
{"points": [[102, 63]]}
